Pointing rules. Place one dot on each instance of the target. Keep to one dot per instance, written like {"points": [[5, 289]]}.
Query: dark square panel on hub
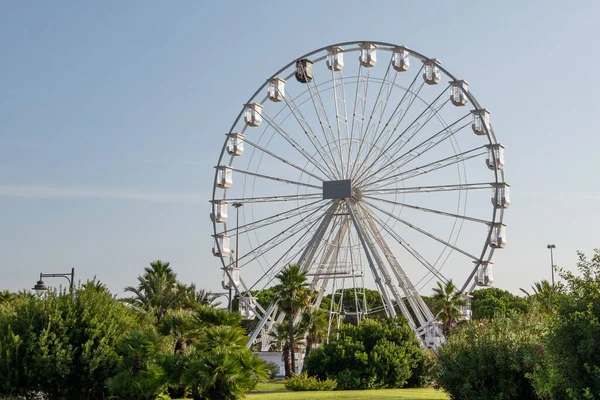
{"points": [[337, 189]]}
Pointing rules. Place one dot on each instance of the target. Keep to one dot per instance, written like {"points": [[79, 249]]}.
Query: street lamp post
{"points": [[551, 247], [237, 206], [70, 276]]}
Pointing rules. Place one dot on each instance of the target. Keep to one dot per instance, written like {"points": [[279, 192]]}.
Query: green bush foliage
{"points": [[221, 367], [492, 302], [139, 376], [273, 368], [62, 345], [492, 360], [302, 382], [572, 357], [374, 354]]}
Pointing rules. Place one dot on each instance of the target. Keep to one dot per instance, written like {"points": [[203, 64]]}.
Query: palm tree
{"points": [[221, 366], [156, 291], [450, 300], [177, 324], [293, 294], [315, 324], [280, 340], [205, 317], [544, 293]]}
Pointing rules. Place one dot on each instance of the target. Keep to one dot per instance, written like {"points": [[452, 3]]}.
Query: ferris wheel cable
{"points": [[424, 232], [297, 113], [323, 119], [428, 189], [395, 113], [282, 159], [339, 94], [392, 147], [429, 210], [270, 199], [273, 178], [432, 145], [415, 172], [360, 101], [411, 250], [269, 271], [438, 163], [379, 104], [293, 143], [386, 147], [273, 219], [433, 111], [287, 230], [445, 130], [424, 281]]}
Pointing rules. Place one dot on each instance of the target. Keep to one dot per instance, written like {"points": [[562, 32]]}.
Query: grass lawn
{"points": [[275, 390]]}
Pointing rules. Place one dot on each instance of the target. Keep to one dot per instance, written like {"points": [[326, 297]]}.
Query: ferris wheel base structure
{"points": [[366, 172]]}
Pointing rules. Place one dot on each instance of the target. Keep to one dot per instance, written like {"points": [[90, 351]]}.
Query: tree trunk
{"points": [[309, 343], [292, 346], [286, 360]]}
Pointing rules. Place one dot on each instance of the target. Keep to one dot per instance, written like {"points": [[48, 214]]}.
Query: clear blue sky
{"points": [[112, 115]]}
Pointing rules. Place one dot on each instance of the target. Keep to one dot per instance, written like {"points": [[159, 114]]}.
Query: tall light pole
{"points": [[551, 247], [237, 206], [40, 285]]}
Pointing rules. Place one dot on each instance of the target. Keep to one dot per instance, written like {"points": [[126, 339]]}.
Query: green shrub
{"points": [[572, 346], [302, 382], [62, 344], [374, 354], [492, 361], [273, 368]]}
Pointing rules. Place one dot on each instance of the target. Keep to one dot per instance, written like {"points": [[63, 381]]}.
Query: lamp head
{"points": [[40, 285]]}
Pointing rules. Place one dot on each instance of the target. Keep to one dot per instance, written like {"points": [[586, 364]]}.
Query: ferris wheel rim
{"points": [[499, 174]]}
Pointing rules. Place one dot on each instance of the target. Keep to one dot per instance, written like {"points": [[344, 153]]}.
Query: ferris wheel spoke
{"points": [[431, 142], [377, 112], [312, 137], [430, 167], [341, 112], [324, 224], [430, 111], [420, 230], [290, 231], [271, 199], [429, 210], [411, 250], [291, 164], [273, 178], [429, 189], [328, 135], [360, 103], [273, 219], [271, 272], [413, 153], [293, 143], [397, 114]]}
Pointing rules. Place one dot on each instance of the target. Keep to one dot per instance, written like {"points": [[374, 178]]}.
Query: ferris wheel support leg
{"points": [[388, 279], [390, 311], [419, 308], [262, 323], [329, 260], [308, 255]]}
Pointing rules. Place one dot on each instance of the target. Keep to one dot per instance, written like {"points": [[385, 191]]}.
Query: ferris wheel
{"points": [[369, 165]]}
